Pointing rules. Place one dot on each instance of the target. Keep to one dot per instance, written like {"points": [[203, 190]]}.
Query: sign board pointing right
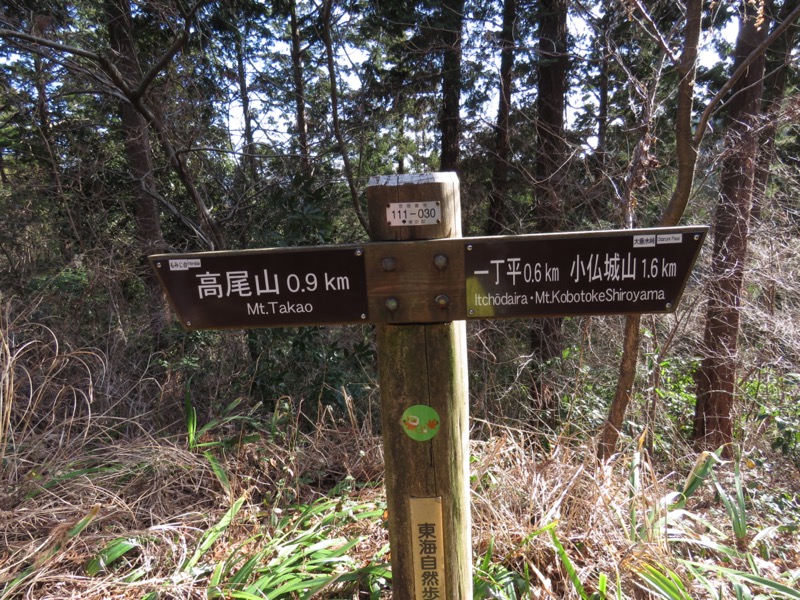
{"points": [[587, 273]]}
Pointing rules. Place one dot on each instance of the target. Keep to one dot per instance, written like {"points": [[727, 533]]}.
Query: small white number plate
{"points": [[408, 214]]}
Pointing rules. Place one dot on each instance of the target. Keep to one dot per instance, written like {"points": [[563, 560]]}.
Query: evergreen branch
{"points": [[655, 33], [152, 73]]}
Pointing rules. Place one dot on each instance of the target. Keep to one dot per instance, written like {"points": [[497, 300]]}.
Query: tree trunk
{"points": [[603, 91], [716, 378], [121, 70], [450, 120], [777, 72], [624, 390], [135, 128], [299, 90], [249, 163], [687, 158], [552, 65], [3, 175], [498, 202], [685, 144], [327, 25], [126, 73]]}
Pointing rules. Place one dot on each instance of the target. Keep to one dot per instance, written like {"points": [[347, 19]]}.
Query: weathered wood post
{"points": [[423, 384]]}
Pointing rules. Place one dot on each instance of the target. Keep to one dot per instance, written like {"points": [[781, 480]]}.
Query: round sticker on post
{"points": [[420, 422]]}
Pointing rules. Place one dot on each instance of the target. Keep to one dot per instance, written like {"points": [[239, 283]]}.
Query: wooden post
{"points": [[424, 398]]}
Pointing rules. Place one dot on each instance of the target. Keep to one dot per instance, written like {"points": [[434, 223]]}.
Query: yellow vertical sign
{"points": [[427, 541]]}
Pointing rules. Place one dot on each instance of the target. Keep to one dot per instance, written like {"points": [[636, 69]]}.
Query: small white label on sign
{"points": [[184, 264], [409, 214], [670, 238], [644, 241]]}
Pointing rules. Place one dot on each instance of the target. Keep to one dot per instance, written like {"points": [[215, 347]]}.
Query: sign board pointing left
{"points": [[277, 287]]}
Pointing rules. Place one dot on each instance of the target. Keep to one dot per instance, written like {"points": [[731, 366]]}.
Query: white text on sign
{"points": [[244, 284]]}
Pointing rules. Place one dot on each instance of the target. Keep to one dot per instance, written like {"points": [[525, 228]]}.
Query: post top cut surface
{"points": [[415, 179]]}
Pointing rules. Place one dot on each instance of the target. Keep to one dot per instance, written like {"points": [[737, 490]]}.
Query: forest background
{"points": [[611, 457]]}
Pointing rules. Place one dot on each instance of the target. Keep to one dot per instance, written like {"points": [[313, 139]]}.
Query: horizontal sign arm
{"points": [[524, 276]]}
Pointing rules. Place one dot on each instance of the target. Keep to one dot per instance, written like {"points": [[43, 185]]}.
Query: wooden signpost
{"points": [[423, 382], [418, 281]]}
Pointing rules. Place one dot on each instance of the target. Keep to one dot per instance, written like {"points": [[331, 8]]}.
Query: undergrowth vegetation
{"points": [[234, 465], [139, 461]]}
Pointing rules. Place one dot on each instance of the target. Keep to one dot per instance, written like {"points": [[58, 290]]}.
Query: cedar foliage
{"points": [[105, 402]]}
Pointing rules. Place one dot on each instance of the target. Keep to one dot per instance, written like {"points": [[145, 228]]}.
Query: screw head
{"points": [[441, 261], [389, 263], [469, 247], [158, 265], [391, 304], [359, 252], [441, 301]]}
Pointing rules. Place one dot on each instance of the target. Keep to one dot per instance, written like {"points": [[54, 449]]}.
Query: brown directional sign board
{"points": [[589, 273], [584, 273], [265, 288]]}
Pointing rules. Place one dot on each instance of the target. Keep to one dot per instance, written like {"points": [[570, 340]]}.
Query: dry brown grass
{"points": [[166, 497], [67, 452]]}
